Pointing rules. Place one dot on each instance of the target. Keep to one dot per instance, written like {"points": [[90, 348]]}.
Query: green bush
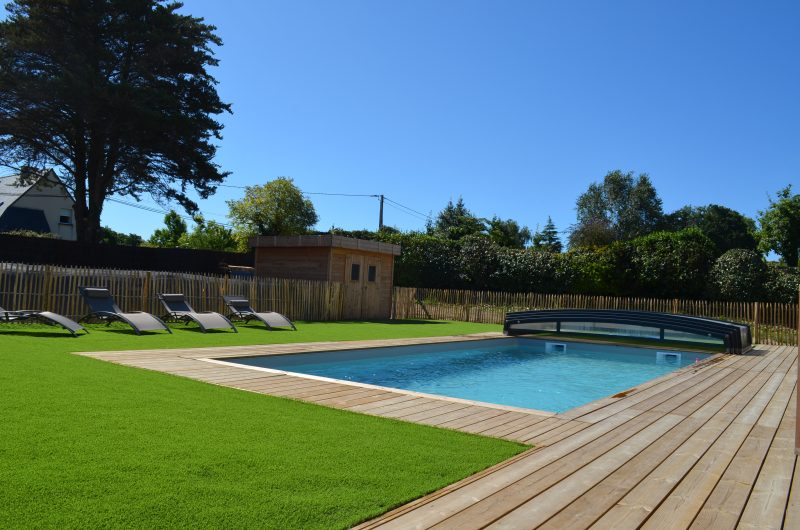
{"points": [[425, 261], [739, 274], [670, 264], [783, 283], [529, 270]]}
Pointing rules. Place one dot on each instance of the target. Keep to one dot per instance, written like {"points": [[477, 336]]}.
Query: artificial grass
{"points": [[37, 337], [88, 444]]}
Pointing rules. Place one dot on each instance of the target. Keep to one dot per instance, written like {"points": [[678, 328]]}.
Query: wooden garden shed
{"points": [[365, 268]]}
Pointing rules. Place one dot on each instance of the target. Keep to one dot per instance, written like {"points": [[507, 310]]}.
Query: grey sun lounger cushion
{"points": [[240, 308], [43, 316], [179, 309], [102, 306]]}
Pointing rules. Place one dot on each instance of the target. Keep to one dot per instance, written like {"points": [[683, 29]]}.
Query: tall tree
{"points": [[455, 222], [621, 207], [115, 94], [170, 235], [508, 233], [209, 235], [547, 239], [278, 208], [780, 226], [726, 228]]}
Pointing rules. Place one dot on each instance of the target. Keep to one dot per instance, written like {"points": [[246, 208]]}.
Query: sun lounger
{"points": [[43, 316], [179, 309], [104, 308], [241, 310]]}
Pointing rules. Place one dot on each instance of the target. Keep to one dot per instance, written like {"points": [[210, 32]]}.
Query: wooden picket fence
{"points": [[771, 323], [54, 288]]}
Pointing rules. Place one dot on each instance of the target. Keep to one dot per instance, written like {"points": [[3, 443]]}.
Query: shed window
{"points": [[355, 272], [371, 273], [65, 217]]}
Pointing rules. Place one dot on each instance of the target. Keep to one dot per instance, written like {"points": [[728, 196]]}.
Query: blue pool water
{"points": [[517, 372]]}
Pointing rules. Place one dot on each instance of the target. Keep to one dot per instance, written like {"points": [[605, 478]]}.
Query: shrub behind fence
{"points": [[54, 288], [771, 323]]}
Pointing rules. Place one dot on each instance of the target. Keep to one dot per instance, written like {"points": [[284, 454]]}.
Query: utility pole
{"points": [[380, 217]]}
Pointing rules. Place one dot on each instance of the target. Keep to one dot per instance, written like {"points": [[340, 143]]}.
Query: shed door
{"points": [[354, 276], [371, 303]]}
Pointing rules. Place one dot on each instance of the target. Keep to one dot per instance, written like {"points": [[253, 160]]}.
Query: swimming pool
{"points": [[521, 372]]}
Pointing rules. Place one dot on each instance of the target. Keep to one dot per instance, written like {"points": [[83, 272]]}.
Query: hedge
{"points": [[661, 264]]}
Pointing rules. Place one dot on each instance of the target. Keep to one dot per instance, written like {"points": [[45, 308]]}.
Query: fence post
{"points": [[146, 290], [48, 288], [756, 319]]}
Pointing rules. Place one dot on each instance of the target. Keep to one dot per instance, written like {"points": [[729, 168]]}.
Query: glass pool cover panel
{"points": [[539, 374]]}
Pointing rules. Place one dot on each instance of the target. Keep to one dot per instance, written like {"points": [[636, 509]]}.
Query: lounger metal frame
{"points": [[248, 314], [46, 317], [191, 315], [117, 315]]}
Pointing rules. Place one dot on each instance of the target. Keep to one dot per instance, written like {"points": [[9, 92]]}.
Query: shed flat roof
{"points": [[327, 240]]}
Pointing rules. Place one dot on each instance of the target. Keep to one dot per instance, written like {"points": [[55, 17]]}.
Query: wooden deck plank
{"points": [[685, 502], [720, 435], [591, 506], [514, 426], [766, 505], [473, 419], [792, 517], [471, 411], [726, 503]]}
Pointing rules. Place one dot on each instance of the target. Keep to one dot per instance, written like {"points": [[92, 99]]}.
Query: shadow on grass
{"points": [[40, 334], [394, 322]]}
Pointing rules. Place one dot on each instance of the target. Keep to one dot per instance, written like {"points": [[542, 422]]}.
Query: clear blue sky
{"points": [[515, 105]]}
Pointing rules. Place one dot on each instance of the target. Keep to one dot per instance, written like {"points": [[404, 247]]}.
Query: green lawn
{"points": [[87, 443]]}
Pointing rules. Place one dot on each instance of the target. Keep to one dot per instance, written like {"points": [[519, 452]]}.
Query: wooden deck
{"points": [[705, 447]]}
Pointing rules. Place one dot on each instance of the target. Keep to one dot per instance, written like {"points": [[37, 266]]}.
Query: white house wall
{"points": [[40, 198]]}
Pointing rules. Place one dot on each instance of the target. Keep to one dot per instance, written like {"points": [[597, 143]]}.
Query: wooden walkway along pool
{"points": [[710, 446]]}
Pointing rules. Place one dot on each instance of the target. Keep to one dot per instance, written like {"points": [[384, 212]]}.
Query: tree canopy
{"points": [[547, 239], [278, 208], [209, 235], [456, 221], [780, 226], [726, 228], [508, 233], [115, 95], [619, 208], [170, 236]]}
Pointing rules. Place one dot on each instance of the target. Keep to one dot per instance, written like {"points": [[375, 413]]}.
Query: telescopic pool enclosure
{"points": [[639, 324]]}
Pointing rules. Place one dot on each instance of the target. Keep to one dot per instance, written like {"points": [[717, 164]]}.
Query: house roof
{"points": [[11, 191]]}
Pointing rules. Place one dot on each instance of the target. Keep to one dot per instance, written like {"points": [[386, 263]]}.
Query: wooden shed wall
{"points": [[305, 263], [362, 298]]}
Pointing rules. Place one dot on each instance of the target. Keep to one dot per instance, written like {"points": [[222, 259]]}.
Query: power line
{"points": [[426, 216], [401, 210], [310, 192], [153, 209]]}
